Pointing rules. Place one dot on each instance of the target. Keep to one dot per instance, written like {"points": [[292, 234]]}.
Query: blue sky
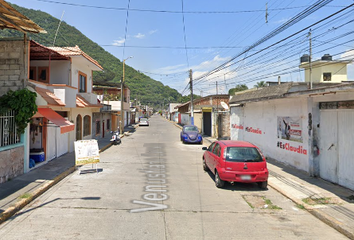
{"points": [[157, 34]]}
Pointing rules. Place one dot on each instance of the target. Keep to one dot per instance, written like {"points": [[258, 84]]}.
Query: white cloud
{"points": [[140, 36], [153, 31], [119, 42], [348, 55]]}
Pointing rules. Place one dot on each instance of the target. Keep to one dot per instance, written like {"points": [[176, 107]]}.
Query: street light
{"points": [[122, 99]]}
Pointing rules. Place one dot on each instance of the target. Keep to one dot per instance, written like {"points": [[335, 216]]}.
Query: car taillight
{"points": [[224, 154]]}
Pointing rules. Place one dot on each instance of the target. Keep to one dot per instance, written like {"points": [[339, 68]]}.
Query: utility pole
{"points": [[310, 58], [122, 99], [191, 86], [217, 100]]}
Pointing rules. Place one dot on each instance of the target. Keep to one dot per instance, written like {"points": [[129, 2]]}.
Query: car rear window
{"points": [[143, 119], [243, 154], [190, 129]]}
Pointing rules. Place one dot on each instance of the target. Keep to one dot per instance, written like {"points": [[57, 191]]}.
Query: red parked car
{"points": [[236, 161]]}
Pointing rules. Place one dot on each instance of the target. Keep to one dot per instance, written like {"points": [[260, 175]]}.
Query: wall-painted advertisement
{"points": [[289, 128]]}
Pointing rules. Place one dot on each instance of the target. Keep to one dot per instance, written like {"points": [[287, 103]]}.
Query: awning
{"points": [[65, 125]]}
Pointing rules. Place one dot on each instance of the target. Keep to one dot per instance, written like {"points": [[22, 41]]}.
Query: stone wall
{"points": [[11, 163], [13, 65]]}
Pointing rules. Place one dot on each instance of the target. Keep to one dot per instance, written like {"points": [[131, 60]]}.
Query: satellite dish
{"points": [[224, 105]]}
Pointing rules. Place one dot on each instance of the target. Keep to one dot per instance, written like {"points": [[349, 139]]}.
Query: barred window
{"points": [[8, 133], [87, 125]]}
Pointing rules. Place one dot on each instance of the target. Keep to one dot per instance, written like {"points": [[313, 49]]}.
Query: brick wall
{"points": [[13, 65], [11, 163]]}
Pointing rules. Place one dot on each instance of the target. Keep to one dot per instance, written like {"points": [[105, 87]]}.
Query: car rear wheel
{"points": [[218, 182], [263, 185], [205, 167]]}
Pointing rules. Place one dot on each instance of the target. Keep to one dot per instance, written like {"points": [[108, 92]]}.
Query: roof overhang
{"points": [[48, 113], [10, 18]]}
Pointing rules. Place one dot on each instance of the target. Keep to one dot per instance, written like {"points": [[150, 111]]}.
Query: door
{"points": [[346, 150], [208, 155], [78, 127], [207, 123], [329, 146]]}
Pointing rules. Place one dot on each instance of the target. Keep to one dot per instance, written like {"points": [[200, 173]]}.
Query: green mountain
{"points": [[143, 88]]}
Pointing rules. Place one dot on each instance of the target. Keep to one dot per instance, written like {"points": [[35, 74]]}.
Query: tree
{"points": [[260, 84], [238, 88]]}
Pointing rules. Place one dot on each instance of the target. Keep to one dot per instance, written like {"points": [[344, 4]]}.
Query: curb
{"points": [[330, 221], [33, 195], [22, 203]]}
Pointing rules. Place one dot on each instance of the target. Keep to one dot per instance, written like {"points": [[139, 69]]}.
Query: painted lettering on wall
{"points": [[252, 130], [237, 126], [287, 146]]}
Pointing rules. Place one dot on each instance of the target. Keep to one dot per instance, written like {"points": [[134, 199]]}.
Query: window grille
{"points": [[8, 132]]}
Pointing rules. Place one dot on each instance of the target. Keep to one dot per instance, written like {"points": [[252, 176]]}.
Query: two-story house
{"points": [[62, 79], [13, 77]]}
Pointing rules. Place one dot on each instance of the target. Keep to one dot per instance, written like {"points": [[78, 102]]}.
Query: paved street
{"points": [[153, 187]]}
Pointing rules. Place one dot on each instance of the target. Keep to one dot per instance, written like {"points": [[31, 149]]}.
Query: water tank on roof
{"points": [[305, 58], [326, 57]]}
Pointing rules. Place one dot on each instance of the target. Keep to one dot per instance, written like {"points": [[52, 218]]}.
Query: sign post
{"points": [[86, 152]]}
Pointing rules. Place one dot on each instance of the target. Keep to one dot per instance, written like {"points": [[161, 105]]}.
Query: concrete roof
{"points": [[284, 90]]}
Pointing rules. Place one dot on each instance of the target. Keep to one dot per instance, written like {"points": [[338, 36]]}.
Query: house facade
{"points": [[62, 80], [14, 66], [210, 115], [309, 129]]}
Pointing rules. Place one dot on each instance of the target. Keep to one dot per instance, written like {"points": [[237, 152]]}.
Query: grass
{"points": [[300, 206], [315, 201], [271, 205], [25, 196]]}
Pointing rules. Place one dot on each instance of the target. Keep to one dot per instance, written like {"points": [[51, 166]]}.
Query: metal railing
{"points": [[8, 132]]}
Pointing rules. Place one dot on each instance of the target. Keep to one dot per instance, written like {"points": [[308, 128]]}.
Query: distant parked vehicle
{"points": [[144, 122], [190, 134], [115, 138], [235, 161]]}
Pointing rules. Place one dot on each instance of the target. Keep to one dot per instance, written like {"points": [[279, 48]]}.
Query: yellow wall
{"points": [[338, 70]]}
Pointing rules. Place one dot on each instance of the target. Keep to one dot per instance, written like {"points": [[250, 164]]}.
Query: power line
{"points": [[174, 12], [284, 26]]}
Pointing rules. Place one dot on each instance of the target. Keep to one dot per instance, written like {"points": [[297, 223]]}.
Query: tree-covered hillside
{"points": [[143, 88]]}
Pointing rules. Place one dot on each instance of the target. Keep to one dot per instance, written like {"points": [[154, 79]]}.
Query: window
{"points": [[98, 127], [216, 150], [8, 133], [243, 154], [43, 74], [210, 148], [87, 125], [82, 82], [327, 76], [33, 73], [108, 124]]}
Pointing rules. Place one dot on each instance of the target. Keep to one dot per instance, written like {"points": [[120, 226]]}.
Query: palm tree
{"points": [[260, 84]]}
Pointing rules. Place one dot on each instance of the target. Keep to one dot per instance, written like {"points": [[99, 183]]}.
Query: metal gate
{"points": [[336, 147]]}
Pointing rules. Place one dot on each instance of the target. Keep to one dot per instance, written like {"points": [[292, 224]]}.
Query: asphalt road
{"points": [[153, 187]]}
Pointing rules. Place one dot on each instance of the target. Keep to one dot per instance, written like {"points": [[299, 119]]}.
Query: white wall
{"points": [[258, 125], [185, 119], [57, 143]]}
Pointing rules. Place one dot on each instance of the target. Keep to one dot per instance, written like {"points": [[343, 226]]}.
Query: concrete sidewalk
{"points": [[20, 191], [329, 202]]}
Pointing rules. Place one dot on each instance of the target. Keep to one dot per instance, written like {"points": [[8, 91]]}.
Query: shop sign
{"points": [[207, 109], [86, 151]]}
